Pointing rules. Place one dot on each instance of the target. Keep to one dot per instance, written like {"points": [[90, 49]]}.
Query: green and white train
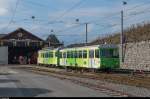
{"points": [[89, 57]]}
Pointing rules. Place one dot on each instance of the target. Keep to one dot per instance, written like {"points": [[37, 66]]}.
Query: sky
{"points": [[103, 17]]}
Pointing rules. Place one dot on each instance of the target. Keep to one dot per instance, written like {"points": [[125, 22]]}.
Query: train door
{"points": [[91, 59]]}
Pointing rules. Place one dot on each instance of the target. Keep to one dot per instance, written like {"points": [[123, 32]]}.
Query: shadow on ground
{"points": [[2, 74], [8, 80], [22, 92]]}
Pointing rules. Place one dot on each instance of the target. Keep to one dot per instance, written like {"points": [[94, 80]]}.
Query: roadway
{"points": [[22, 83]]}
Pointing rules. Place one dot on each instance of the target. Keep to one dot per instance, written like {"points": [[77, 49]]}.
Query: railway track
{"points": [[127, 79], [80, 80], [102, 89]]}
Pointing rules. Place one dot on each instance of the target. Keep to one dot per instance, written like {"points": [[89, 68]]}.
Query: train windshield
{"points": [[110, 53]]}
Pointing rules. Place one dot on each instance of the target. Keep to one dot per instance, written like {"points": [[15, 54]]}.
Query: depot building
{"points": [[23, 45]]}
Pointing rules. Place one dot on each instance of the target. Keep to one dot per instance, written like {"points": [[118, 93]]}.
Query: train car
{"points": [[91, 57], [109, 56], [94, 57], [40, 57], [48, 57]]}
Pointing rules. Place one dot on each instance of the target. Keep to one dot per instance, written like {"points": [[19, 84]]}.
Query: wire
{"points": [[116, 13], [36, 4], [67, 29], [140, 5], [69, 10], [13, 15]]}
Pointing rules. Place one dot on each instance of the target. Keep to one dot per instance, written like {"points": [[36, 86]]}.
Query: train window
{"points": [[75, 54], [42, 55], [109, 53], [55, 54], [91, 54], [97, 54], [72, 54], [60, 55], [45, 55], [49, 55], [105, 53], [85, 54], [116, 53], [80, 54], [52, 55], [64, 55], [68, 54]]}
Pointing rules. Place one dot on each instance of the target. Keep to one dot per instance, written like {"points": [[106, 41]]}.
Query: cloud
{"points": [[5, 6], [3, 11]]}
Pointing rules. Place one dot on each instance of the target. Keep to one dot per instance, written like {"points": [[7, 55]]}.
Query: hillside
{"points": [[136, 33]]}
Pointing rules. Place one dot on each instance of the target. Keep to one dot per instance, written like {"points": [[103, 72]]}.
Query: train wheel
{"points": [[66, 68], [82, 70]]}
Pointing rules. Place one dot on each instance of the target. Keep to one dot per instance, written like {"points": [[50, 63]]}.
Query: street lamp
{"points": [[33, 17], [52, 31], [86, 27]]}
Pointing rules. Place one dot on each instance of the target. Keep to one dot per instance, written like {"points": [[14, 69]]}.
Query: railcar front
{"points": [[109, 57]]}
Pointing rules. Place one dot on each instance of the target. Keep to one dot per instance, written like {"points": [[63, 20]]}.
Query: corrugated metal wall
{"points": [[3, 55]]}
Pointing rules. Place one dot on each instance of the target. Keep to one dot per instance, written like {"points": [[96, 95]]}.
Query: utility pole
{"points": [[86, 24], [122, 33], [122, 37]]}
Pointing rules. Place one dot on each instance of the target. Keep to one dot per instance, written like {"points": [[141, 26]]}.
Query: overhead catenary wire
{"points": [[12, 17], [118, 12], [79, 3], [73, 27], [69, 10]]}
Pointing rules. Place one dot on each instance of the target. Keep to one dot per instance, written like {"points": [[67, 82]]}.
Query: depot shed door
{"points": [[4, 55]]}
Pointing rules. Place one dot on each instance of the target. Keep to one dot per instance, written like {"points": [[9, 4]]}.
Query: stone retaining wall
{"points": [[137, 56]]}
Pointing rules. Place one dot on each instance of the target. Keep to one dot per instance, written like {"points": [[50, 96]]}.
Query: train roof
{"points": [[96, 46], [49, 48], [83, 47]]}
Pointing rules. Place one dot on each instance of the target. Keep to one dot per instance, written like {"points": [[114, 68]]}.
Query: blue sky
{"points": [[60, 15]]}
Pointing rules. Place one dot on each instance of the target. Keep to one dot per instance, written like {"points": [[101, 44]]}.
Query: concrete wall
{"points": [[137, 56], [3, 55]]}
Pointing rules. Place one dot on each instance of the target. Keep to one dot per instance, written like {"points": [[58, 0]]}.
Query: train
{"points": [[100, 57]]}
